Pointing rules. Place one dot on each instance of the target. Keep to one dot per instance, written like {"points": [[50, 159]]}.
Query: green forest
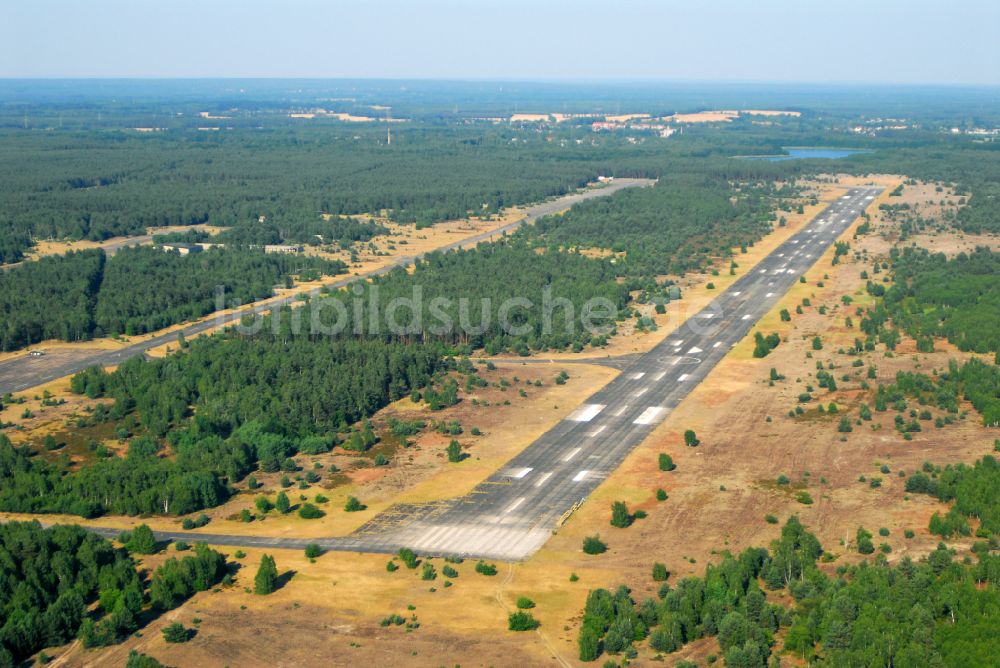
{"points": [[957, 299], [82, 295], [937, 611], [496, 272], [103, 183], [50, 577], [678, 225]]}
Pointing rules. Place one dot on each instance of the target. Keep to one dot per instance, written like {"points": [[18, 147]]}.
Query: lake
{"points": [[803, 153]]}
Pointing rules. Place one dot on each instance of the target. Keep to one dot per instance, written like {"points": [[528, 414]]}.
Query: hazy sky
{"points": [[901, 41]]}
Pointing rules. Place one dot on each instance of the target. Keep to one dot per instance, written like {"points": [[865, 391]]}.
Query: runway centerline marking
{"points": [[514, 505], [637, 375], [571, 454], [682, 377], [621, 410], [545, 476], [580, 476], [597, 431], [639, 393]]}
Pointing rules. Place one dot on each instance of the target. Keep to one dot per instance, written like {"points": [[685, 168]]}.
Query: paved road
{"points": [[511, 515], [22, 373]]}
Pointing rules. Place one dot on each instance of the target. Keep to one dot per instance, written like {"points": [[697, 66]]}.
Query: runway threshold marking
{"points": [[650, 415], [580, 476], [586, 413], [523, 472]]}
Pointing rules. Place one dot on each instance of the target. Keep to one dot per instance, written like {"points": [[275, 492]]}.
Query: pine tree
{"points": [[266, 580]]}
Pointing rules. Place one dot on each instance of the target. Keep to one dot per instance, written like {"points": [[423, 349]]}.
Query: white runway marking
{"points": [[621, 410], [694, 350], [717, 344], [514, 505], [597, 431], [637, 375], [660, 375], [746, 317], [522, 472], [737, 293], [571, 454], [580, 476], [769, 294], [650, 415], [682, 377], [586, 413], [677, 343], [676, 362], [544, 477], [706, 315], [639, 393]]}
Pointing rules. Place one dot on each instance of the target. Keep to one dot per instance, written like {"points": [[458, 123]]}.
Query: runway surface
{"points": [[511, 515], [22, 373]]}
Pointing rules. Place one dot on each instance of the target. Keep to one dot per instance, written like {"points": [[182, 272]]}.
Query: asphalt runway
{"points": [[23, 373], [510, 515]]}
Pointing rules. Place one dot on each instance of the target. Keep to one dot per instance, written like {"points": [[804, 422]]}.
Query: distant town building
{"points": [[281, 248]]}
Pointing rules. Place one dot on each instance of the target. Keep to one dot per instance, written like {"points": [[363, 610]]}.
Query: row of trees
{"points": [[82, 295], [933, 612], [340, 230]]}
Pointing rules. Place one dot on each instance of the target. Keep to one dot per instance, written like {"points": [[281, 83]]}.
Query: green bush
{"points": [[522, 621], [594, 545]]}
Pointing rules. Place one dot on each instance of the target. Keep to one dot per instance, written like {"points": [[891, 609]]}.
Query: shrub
{"points": [[522, 621], [408, 557], [690, 438], [454, 451], [175, 633], [619, 515], [310, 512], [353, 505], [484, 568], [594, 545], [770, 519], [666, 462], [313, 550], [661, 494], [428, 572], [660, 572], [525, 603], [449, 572]]}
